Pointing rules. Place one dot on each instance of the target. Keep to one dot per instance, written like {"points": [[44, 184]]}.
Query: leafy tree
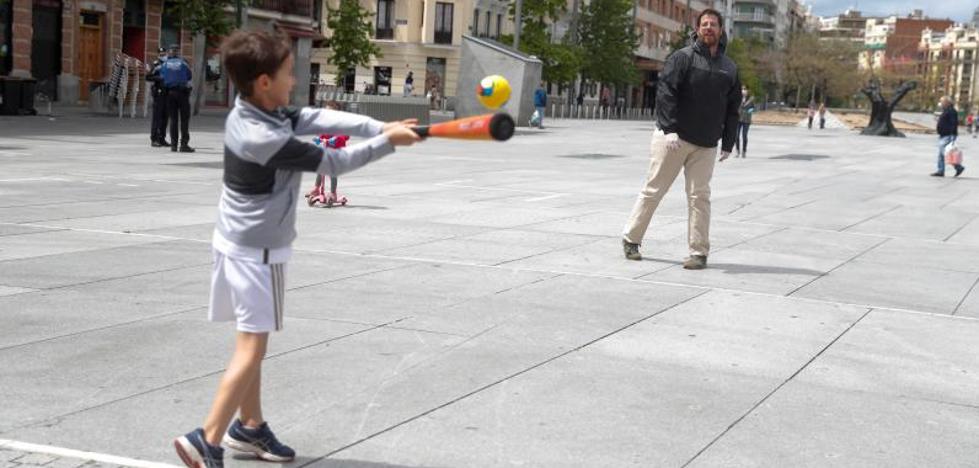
{"points": [[682, 38], [740, 52], [203, 18], [609, 39], [562, 60], [817, 69], [350, 42]]}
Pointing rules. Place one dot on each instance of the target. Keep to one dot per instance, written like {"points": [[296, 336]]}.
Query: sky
{"points": [[956, 10]]}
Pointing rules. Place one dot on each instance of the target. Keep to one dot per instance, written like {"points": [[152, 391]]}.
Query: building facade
{"points": [[949, 65], [419, 36], [891, 43], [850, 25], [69, 46], [660, 23]]}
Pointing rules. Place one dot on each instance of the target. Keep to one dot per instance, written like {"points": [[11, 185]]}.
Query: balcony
{"points": [[754, 18], [443, 37], [286, 7]]}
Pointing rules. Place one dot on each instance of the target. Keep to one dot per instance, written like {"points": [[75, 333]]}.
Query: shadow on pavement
{"points": [[734, 269], [341, 463]]}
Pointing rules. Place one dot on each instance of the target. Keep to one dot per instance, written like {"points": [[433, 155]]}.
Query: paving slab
{"points": [[86, 264], [51, 243], [471, 305], [647, 395], [812, 426], [905, 287], [113, 364]]}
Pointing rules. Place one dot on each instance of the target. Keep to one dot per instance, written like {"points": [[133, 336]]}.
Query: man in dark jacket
{"points": [[948, 131], [158, 129], [697, 104], [176, 78]]}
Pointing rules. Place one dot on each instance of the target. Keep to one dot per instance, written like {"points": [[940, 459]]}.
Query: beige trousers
{"points": [[697, 163]]}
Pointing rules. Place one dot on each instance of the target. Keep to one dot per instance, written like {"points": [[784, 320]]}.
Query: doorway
{"points": [[46, 46], [134, 29], [91, 58]]}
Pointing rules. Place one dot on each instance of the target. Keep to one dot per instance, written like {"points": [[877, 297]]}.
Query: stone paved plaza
{"points": [[472, 307]]}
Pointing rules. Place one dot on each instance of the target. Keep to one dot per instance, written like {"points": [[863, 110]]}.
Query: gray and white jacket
{"points": [[264, 162]]}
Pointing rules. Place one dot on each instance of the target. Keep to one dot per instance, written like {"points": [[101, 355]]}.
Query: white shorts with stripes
{"points": [[251, 293]]}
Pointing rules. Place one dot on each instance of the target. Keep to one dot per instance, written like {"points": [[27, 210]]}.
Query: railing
{"points": [[443, 37], [597, 112], [754, 18], [289, 7], [384, 33]]}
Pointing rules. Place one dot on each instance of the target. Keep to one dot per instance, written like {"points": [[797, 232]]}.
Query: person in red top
{"points": [[318, 194]]}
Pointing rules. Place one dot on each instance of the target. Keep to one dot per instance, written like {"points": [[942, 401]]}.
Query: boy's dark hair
{"points": [[711, 12], [250, 54]]}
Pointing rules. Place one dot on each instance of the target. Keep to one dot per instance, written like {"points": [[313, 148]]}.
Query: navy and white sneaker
{"points": [[260, 441], [196, 452]]}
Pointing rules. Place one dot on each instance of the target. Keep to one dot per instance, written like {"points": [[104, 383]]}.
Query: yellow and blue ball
{"points": [[493, 91]]}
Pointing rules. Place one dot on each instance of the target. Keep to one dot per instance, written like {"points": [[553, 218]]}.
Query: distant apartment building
{"points": [[949, 63], [419, 36], [771, 21], [850, 25], [891, 43]]}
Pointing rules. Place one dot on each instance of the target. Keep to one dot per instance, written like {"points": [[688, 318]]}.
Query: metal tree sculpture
{"points": [[880, 114]]}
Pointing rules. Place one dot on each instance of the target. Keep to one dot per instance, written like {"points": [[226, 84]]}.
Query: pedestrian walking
{"points": [[409, 84], [948, 131], [744, 122], [176, 79], [158, 127], [822, 115], [697, 104], [540, 104], [970, 123], [811, 112], [252, 239]]}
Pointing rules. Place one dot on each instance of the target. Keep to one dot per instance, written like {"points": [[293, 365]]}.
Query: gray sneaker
{"points": [[631, 250], [695, 262]]}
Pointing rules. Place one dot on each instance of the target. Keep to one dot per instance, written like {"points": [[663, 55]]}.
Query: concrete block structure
{"points": [[480, 58]]}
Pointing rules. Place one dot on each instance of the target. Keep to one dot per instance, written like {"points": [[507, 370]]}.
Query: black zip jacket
{"points": [[154, 77], [948, 123], [699, 96]]}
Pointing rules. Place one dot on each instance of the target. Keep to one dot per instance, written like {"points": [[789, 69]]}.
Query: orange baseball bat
{"points": [[499, 126]]}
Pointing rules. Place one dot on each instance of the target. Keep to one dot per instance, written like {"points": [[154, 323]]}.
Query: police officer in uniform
{"points": [[176, 79], [158, 130]]}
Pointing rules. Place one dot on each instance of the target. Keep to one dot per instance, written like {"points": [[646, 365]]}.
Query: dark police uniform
{"points": [[158, 129], [176, 79]]}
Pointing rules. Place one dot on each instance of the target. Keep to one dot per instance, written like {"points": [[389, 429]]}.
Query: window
{"points": [[487, 34], [476, 22], [443, 23], [169, 25], [499, 25], [385, 20], [6, 39], [382, 80]]}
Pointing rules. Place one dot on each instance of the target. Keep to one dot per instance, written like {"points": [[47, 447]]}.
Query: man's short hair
{"points": [[249, 55], [712, 12]]}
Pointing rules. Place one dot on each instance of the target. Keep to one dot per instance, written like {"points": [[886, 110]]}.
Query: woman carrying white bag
{"points": [[948, 131]]}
